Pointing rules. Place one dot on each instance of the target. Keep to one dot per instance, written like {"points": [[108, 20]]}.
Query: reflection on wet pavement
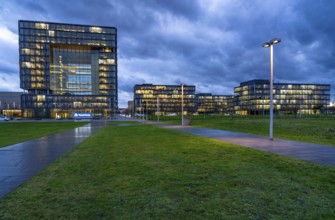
{"points": [[19, 162], [82, 131]]}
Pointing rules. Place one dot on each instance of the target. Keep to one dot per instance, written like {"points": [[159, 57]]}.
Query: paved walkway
{"points": [[317, 153], [19, 162]]}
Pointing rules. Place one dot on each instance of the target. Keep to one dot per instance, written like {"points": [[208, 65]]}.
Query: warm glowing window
{"points": [[41, 26], [26, 51], [103, 68], [163, 96], [51, 33], [95, 29], [107, 61], [77, 104], [110, 61], [161, 87], [40, 98], [26, 65], [103, 87]]}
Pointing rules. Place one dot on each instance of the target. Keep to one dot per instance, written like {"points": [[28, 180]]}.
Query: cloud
{"points": [[34, 7], [9, 78], [9, 83], [213, 44]]}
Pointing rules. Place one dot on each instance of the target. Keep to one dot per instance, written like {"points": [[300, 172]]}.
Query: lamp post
{"points": [[142, 109], [110, 108], [158, 113], [182, 104], [270, 45], [115, 108], [146, 110]]}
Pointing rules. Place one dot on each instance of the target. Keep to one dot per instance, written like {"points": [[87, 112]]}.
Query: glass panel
{"points": [[74, 71]]}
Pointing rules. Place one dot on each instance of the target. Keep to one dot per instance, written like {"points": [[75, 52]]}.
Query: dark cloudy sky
{"points": [[212, 44]]}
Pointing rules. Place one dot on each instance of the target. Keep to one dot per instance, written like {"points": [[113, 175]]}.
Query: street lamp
{"points": [[182, 104], [110, 108], [270, 45], [146, 110], [158, 109]]}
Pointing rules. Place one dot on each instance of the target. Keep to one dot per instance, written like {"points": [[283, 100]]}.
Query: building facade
{"points": [[250, 98], [253, 97], [206, 103], [67, 68], [10, 104], [152, 99]]}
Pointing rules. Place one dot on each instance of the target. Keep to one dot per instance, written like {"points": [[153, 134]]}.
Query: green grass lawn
{"points": [[307, 129], [146, 172], [13, 133]]}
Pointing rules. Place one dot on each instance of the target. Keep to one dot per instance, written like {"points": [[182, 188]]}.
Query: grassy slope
{"points": [[308, 129], [12, 133], [142, 172]]}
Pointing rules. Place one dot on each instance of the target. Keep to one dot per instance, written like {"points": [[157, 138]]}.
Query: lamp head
{"points": [[275, 41], [266, 44]]}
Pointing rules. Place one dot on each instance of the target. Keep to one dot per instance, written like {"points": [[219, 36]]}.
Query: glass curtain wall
{"points": [[252, 97], [66, 68], [74, 71]]}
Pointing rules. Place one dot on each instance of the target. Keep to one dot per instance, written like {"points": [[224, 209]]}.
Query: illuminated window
{"points": [[77, 104], [41, 26], [110, 61], [108, 50], [103, 87], [95, 30], [51, 33], [103, 74], [26, 51], [26, 65], [41, 98], [107, 61]]}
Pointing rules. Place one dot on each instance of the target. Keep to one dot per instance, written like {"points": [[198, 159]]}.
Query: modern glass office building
{"points": [[212, 104], [152, 99], [250, 98], [253, 97], [67, 68]]}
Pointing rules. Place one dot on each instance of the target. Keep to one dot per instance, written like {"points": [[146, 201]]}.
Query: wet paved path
{"points": [[317, 153], [19, 162]]}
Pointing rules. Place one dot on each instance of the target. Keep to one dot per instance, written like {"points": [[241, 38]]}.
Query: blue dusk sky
{"points": [[212, 44]]}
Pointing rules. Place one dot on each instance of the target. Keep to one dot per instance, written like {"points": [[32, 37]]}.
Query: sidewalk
{"points": [[19, 162], [317, 153]]}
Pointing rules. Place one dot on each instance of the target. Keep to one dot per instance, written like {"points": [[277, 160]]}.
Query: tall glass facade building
{"points": [[67, 68], [253, 97]]}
